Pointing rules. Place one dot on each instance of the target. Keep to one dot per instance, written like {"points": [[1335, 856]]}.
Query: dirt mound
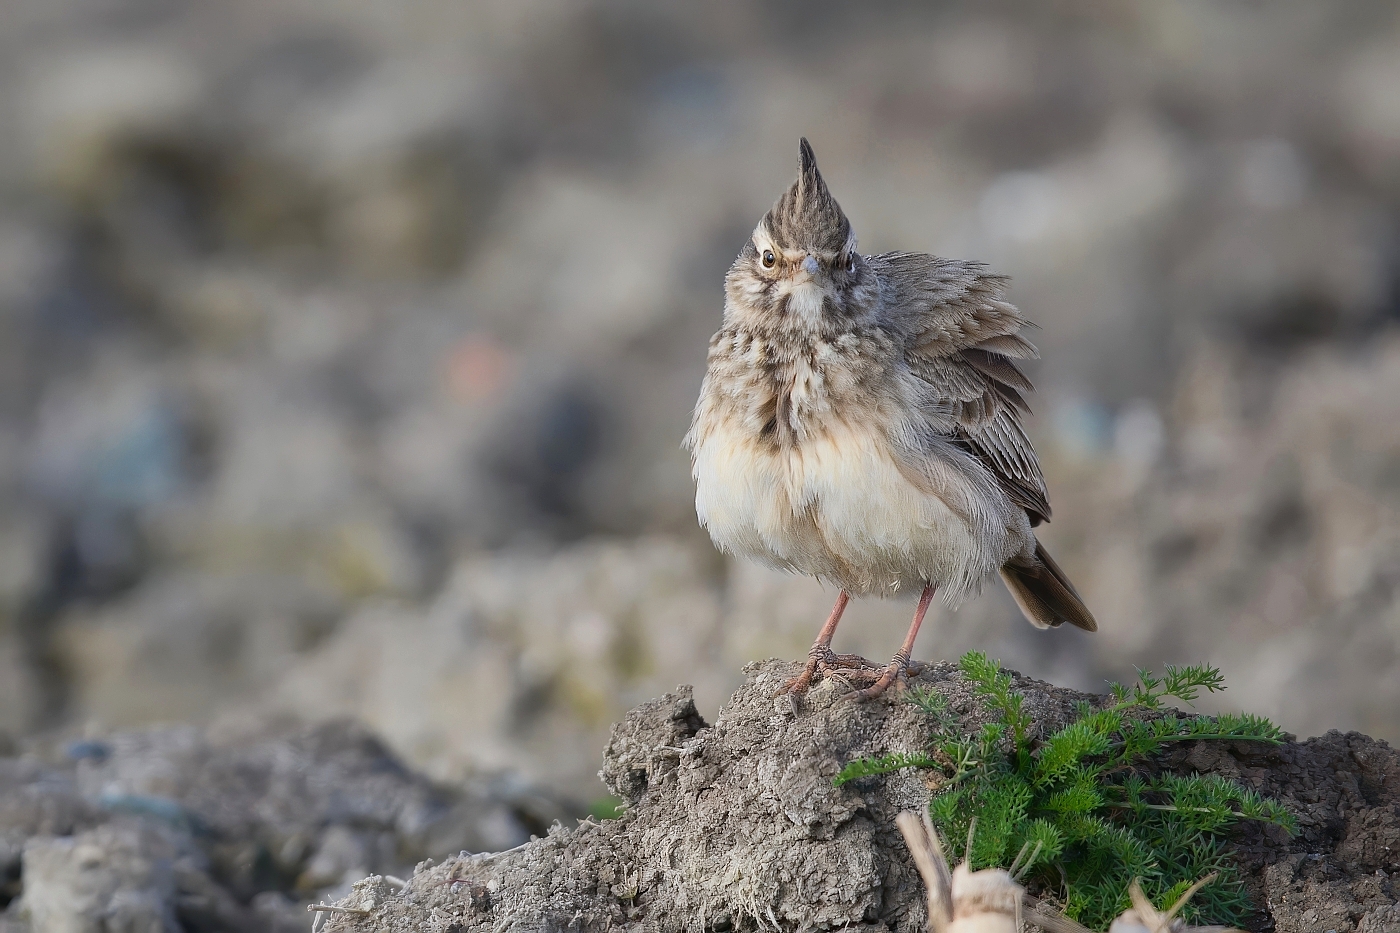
{"points": [[737, 825]]}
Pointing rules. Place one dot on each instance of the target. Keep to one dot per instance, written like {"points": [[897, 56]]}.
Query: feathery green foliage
{"points": [[884, 764], [1084, 796]]}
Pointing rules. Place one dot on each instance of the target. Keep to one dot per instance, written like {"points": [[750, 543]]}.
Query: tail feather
{"points": [[1044, 593]]}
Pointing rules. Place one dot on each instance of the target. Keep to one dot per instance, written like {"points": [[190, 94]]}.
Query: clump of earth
{"points": [[737, 825]]}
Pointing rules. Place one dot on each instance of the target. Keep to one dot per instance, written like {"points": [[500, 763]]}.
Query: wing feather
{"points": [[961, 338]]}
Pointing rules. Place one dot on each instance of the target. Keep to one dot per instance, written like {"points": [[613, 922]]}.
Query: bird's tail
{"points": [[1044, 593]]}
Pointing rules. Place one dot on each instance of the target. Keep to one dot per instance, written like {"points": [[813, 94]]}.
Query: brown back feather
{"points": [[961, 338]]}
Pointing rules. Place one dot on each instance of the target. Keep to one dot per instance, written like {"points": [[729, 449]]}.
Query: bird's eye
{"points": [[851, 265], [769, 260]]}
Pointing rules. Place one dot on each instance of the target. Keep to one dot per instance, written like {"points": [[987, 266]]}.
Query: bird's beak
{"points": [[809, 264]]}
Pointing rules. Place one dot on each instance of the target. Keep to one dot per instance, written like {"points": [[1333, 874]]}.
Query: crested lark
{"points": [[860, 421]]}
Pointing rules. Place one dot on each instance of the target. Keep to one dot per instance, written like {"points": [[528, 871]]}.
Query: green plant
{"points": [[932, 703], [1082, 806], [606, 808]]}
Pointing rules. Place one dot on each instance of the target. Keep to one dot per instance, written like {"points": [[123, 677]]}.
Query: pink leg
{"points": [[900, 663], [821, 657]]}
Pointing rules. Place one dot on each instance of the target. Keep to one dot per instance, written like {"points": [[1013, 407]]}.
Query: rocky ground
{"points": [[736, 825], [180, 830], [730, 825]]}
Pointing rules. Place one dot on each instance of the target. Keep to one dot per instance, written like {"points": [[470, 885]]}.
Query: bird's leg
{"points": [[900, 663], [821, 657]]}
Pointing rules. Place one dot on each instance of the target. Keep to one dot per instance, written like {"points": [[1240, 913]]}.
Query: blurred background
{"points": [[346, 349]]}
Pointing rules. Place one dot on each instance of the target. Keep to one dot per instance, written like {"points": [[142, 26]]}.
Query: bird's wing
{"points": [[961, 338]]}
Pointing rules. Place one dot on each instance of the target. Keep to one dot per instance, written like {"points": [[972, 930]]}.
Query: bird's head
{"points": [[800, 269]]}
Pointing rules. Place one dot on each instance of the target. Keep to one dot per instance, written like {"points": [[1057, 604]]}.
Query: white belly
{"points": [[840, 507]]}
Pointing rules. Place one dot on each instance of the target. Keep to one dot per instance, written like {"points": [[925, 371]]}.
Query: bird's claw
{"points": [[899, 668], [821, 660]]}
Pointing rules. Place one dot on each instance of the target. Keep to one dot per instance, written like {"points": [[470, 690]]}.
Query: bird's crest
{"points": [[807, 216]]}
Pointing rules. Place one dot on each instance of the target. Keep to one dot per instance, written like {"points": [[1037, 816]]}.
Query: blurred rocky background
{"points": [[346, 349]]}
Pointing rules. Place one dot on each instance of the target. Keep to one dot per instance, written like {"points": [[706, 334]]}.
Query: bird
{"points": [[860, 422]]}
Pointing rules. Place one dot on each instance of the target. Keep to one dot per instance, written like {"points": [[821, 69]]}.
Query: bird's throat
{"points": [[804, 303]]}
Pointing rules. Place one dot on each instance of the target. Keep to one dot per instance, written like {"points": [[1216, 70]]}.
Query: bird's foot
{"points": [[899, 666], [821, 660]]}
